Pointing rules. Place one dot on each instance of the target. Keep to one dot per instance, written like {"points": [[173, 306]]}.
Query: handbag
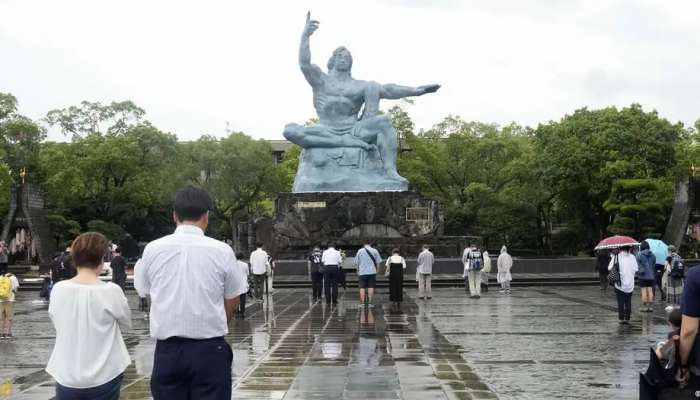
{"points": [[614, 276]]}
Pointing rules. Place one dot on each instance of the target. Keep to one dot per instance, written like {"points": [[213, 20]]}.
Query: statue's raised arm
{"points": [[311, 72]]}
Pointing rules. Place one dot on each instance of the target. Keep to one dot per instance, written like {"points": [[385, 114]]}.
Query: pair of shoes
{"points": [[2, 336], [420, 298], [508, 291], [430, 298], [477, 296], [502, 291]]}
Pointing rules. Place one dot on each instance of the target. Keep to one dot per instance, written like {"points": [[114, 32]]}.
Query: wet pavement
{"points": [[537, 343]]}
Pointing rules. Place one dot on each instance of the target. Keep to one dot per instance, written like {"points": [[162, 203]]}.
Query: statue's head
{"points": [[341, 60]]}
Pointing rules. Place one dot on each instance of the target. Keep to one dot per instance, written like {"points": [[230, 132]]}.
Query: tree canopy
{"points": [[555, 188]]}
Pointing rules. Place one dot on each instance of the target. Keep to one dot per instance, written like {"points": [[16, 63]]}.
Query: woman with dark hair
{"points": [[626, 266], [89, 357], [395, 265], [646, 275]]}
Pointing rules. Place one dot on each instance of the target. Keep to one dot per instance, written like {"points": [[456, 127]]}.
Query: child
{"points": [[666, 350]]}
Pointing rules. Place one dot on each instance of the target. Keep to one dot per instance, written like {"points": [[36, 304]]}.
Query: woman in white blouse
{"points": [[394, 270], [89, 357]]}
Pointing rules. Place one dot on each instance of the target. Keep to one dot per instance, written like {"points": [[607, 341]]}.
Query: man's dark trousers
{"points": [[190, 369], [330, 283], [260, 285]]}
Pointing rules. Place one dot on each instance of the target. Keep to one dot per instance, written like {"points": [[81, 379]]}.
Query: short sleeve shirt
{"points": [[690, 305], [188, 276]]}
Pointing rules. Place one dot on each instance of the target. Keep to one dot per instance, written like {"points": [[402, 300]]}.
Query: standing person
{"points": [[602, 262], [424, 272], [659, 269], [8, 288], [244, 272], [64, 268], [144, 301], [332, 262], [194, 288], [367, 260], [315, 270], [89, 357], [271, 263], [627, 263], [4, 259], [485, 272], [647, 276], [395, 266], [675, 275], [473, 263], [118, 265], [690, 310], [504, 264], [260, 264]]}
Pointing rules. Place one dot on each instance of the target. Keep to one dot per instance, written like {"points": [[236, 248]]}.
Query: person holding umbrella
{"points": [[660, 250], [626, 266]]}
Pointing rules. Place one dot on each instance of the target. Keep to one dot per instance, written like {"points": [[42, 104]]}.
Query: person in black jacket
{"points": [[63, 268], [118, 266], [602, 262]]}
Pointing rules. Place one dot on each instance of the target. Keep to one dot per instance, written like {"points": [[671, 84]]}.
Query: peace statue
{"points": [[352, 148]]}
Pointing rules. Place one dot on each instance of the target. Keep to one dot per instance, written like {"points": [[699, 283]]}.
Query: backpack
{"points": [[316, 263], [5, 287], [475, 262], [677, 270]]}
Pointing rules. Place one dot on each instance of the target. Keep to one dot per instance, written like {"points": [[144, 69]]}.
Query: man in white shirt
{"points": [[424, 273], [260, 264], [7, 305], [194, 286], [332, 262]]}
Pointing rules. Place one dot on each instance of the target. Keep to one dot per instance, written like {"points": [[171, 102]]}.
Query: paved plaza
{"points": [[537, 343]]}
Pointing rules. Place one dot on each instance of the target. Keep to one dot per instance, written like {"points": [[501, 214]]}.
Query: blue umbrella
{"points": [[660, 250]]}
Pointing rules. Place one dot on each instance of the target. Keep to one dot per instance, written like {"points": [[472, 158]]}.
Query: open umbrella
{"points": [[615, 242], [660, 250]]}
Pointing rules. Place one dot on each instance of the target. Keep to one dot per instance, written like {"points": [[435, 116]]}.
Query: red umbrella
{"points": [[614, 242]]}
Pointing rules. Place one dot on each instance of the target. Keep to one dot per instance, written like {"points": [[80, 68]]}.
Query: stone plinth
{"points": [[404, 219], [337, 169]]}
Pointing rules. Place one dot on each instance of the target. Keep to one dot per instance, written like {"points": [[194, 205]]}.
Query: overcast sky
{"points": [[195, 65]]}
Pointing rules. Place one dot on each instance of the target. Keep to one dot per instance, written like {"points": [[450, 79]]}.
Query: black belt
{"points": [[178, 339], [331, 265]]}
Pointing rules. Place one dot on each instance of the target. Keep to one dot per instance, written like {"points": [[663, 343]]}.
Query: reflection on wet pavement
{"points": [[538, 343]]}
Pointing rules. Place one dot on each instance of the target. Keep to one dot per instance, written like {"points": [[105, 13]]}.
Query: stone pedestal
{"points": [[403, 219], [338, 169]]}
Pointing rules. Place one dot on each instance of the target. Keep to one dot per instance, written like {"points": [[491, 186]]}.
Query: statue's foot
{"points": [[394, 175]]}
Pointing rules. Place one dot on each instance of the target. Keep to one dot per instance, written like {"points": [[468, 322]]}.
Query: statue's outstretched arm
{"points": [[311, 72], [392, 91]]}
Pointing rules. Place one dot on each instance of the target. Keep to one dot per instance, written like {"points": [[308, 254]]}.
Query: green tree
{"points": [[584, 153], [94, 118], [121, 179], [639, 207]]}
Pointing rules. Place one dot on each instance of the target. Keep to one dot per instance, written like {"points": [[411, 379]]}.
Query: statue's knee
{"points": [[384, 122], [292, 132]]}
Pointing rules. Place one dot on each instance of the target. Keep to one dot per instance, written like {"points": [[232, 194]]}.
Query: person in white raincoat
{"points": [[485, 272], [504, 263]]}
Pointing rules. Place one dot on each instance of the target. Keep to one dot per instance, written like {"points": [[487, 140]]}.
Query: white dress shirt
{"points": [[331, 256], [259, 262], [89, 320], [188, 276]]}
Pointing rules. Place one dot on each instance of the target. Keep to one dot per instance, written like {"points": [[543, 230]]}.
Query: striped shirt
{"points": [[188, 276]]}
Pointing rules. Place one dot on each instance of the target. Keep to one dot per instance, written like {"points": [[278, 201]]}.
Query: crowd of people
{"points": [[189, 312]]}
